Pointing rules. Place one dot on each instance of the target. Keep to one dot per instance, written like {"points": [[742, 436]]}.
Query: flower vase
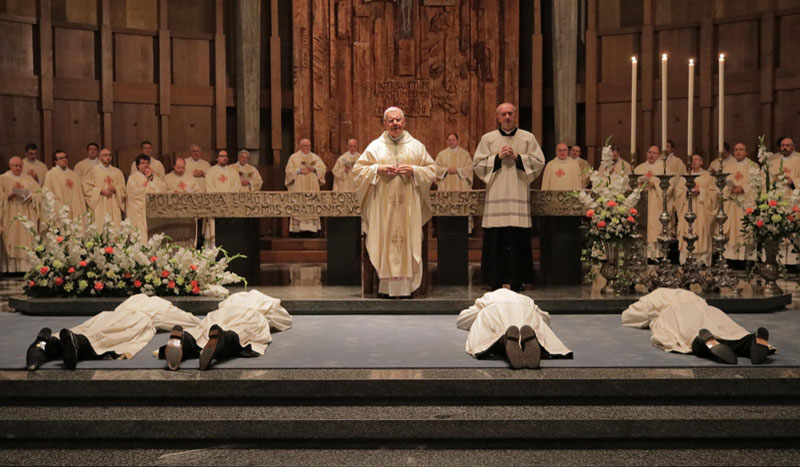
{"points": [[610, 268], [769, 270]]}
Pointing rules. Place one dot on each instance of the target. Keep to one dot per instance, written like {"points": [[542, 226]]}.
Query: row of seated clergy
{"points": [[501, 324], [103, 190]]}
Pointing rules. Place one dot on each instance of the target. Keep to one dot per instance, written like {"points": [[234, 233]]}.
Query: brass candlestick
{"points": [[690, 271]]}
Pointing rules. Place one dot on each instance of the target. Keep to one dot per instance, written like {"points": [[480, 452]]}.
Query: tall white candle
{"points": [[663, 102], [721, 105], [690, 117], [633, 107]]}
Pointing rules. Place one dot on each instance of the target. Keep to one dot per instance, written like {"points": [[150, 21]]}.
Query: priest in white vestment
{"points": [[575, 153], [141, 182], [343, 179], [65, 185], [704, 205], [727, 158], [787, 161], [675, 165], [676, 317], [737, 195], [649, 170], [179, 181], [562, 173], [248, 175], [85, 165], [18, 197], [104, 189], [394, 175], [220, 178], [196, 166], [619, 167], [156, 167], [454, 169], [32, 166], [488, 319], [508, 160], [305, 171]]}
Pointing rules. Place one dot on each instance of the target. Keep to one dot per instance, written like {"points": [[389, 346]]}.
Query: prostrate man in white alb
{"points": [[562, 173], [19, 198], [343, 169], [250, 178], [65, 185], [141, 182], [394, 175], [508, 160], [305, 171], [104, 189], [31, 164]]}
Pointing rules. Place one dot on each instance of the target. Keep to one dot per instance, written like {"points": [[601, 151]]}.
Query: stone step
{"points": [[402, 422]]}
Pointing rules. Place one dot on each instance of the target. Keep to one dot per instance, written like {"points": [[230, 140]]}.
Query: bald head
{"points": [[562, 151], [179, 166], [15, 164]]}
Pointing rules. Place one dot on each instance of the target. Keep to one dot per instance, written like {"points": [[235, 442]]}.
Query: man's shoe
{"points": [[213, 346], [531, 352], [173, 352], [716, 350], [43, 349], [69, 342], [513, 349], [759, 348]]}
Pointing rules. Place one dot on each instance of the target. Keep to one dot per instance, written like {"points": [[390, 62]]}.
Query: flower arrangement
{"points": [[72, 261], [611, 216]]}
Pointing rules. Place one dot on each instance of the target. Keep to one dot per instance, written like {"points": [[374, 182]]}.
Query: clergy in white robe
{"points": [[704, 205], [649, 170], [18, 197], [562, 173], [179, 181], [85, 165], [492, 314], [196, 166], [619, 167], [727, 158], [675, 316], [737, 195], [220, 178], [343, 179], [32, 166], [104, 189], [394, 175], [305, 171], [248, 175], [140, 183], [454, 169], [675, 165], [787, 161], [156, 166], [508, 160], [575, 153], [65, 185]]}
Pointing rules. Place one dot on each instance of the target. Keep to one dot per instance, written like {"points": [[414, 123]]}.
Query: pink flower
{"points": [[634, 211], [601, 224], [71, 270], [795, 208], [748, 211], [82, 264], [153, 259], [590, 213], [164, 273], [611, 203], [194, 266], [759, 223], [44, 269], [631, 219], [137, 283], [31, 283], [98, 285], [109, 250], [193, 284], [772, 202], [171, 284], [59, 239], [59, 281]]}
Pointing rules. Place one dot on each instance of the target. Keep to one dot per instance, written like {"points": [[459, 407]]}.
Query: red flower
{"points": [[759, 223], [196, 290], [772, 202], [153, 259], [631, 219], [193, 284], [194, 266], [790, 218], [137, 283], [601, 224], [171, 284], [59, 281], [59, 239], [82, 263], [589, 213], [71, 270], [31, 283], [634, 211], [44, 269], [109, 250], [98, 285], [127, 275], [611, 203], [748, 211], [164, 273], [795, 208]]}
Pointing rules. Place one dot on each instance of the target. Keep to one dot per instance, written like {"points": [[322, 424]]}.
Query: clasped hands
{"points": [[507, 152], [109, 191], [392, 170]]}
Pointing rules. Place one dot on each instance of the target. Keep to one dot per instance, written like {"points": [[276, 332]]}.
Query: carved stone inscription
{"points": [[334, 204], [414, 97]]}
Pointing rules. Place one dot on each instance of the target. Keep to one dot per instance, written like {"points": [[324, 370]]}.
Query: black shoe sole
{"points": [[210, 349], [37, 355], [173, 352], [531, 351], [720, 352], [513, 349], [70, 345]]}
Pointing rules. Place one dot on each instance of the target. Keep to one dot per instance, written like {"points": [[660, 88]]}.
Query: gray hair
{"points": [[243, 151], [393, 109]]}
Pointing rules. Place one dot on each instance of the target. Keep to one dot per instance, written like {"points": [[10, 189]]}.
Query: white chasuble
{"points": [[84, 166], [218, 180], [297, 181], [136, 190], [67, 190], [25, 203], [459, 159], [675, 316], [704, 205], [343, 179], [562, 174], [250, 174], [201, 165], [738, 195], [394, 208], [492, 314], [185, 183], [155, 165], [649, 172], [103, 178], [35, 169], [619, 167], [791, 168]]}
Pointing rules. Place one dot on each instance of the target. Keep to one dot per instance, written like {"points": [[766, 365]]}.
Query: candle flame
{"points": [[691, 61], [663, 56], [722, 57], [633, 59]]}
